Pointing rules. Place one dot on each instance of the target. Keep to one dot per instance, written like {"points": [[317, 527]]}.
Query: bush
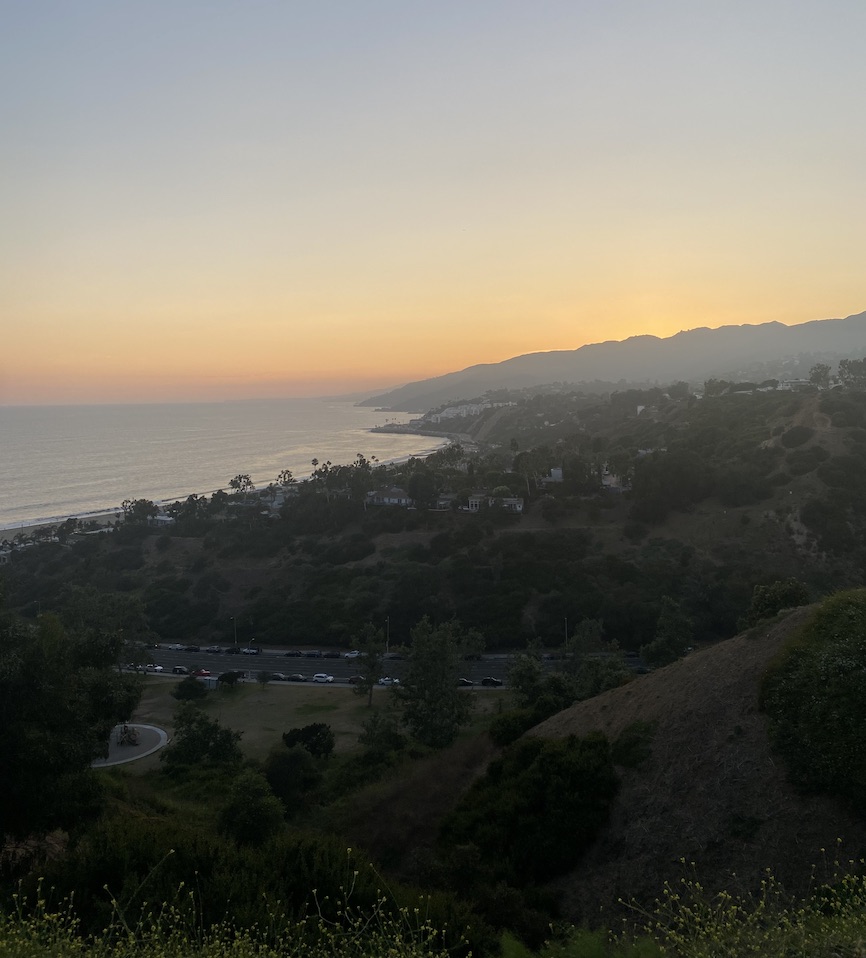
{"points": [[537, 809], [796, 436], [815, 696], [317, 739], [189, 690]]}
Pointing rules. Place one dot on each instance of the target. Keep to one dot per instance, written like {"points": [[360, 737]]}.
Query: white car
{"points": [[153, 667], [323, 677], [354, 654], [387, 680]]}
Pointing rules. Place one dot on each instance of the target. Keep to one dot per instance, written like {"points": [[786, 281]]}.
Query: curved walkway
{"points": [[147, 739]]}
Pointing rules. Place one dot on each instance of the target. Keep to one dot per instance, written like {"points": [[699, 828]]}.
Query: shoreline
{"points": [[104, 518]]}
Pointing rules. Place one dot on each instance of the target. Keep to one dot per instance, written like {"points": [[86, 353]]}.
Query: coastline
{"points": [[105, 518]]}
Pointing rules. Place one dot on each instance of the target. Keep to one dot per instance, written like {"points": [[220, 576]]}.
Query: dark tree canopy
{"points": [[60, 697]]}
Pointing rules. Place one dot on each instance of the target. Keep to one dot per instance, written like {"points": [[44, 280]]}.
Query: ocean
{"points": [[59, 461]]}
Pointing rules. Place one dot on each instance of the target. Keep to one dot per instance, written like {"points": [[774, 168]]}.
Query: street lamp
{"points": [[235, 624], [387, 632]]}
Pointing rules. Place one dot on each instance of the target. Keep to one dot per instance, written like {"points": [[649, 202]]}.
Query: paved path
{"points": [[147, 740]]}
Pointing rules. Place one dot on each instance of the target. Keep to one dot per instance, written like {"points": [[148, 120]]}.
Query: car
{"points": [[213, 649], [465, 683], [251, 650], [356, 680], [201, 673], [387, 680], [191, 648], [278, 676], [331, 654], [354, 654], [233, 650], [153, 667], [296, 677], [312, 654], [323, 677], [491, 682], [392, 655], [175, 647], [293, 653], [180, 670]]}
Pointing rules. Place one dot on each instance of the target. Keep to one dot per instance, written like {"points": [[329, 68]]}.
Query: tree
{"points": [[242, 483], [253, 813], [852, 373], [371, 644], [673, 635], [317, 739], [819, 374], [769, 600], [189, 690], [293, 775], [138, 511], [285, 478], [202, 741], [263, 677], [60, 696], [434, 707]]}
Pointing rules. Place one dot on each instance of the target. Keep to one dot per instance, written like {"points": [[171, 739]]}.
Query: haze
{"points": [[224, 200]]}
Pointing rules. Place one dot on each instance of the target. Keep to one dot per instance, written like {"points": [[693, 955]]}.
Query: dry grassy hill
{"points": [[711, 792]]}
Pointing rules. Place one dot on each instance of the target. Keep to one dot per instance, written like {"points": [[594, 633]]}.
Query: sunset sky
{"points": [[214, 200]]}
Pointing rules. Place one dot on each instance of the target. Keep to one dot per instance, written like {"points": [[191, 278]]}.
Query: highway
{"points": [[275, 660]]}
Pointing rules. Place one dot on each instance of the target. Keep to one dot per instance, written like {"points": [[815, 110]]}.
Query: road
{"points": [[275, 660]]}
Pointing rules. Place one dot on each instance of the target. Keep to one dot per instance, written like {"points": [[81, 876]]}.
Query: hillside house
{"points": [[395, 496]]}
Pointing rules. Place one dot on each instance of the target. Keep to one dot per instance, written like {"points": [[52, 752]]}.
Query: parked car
{"points": [[191, 648], [323, 677], [213, 649], [355, 680], [491, 682], [279, 676], [233, 650], [293, 653], [312, 654], [331, 654], [180, 670], [387, 680], [175, 647], [201, 673], [465, 683], [296, 677], [153, 667], [392, 655], [354, 654], [251, 650]]}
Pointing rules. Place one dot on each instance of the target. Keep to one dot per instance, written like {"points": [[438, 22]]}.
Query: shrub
{"points": [[537, 809], [317, 739], [796, 436], [815, 696], [189, 690]]}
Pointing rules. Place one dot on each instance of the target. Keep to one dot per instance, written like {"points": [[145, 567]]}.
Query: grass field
{"points": [[263, 713]]}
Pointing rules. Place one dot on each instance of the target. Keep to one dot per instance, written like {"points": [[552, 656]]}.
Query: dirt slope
{"points": [[711, 792]]}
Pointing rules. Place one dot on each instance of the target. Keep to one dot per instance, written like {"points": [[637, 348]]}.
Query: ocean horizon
{"points": [[83, 461]]}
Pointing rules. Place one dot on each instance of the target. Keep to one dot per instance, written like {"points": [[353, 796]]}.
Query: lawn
{"points": [[263, 713]]}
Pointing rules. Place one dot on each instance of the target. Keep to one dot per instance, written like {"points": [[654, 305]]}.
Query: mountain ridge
{"points": [[692, 355]]}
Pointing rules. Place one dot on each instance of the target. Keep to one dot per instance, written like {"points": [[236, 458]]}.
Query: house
{"points": [[395, 496]]}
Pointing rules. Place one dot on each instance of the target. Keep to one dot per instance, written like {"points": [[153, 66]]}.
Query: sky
{"points": [[213, 200]]}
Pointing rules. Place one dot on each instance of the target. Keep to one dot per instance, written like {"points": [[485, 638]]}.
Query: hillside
{"points": [[741, 352], [710, 791]]}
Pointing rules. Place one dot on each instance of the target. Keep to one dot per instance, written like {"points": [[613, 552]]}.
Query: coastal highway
{"points": [[274, 660]]}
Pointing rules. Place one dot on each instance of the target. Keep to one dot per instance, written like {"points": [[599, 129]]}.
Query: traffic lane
{"points": [[342, 669]]}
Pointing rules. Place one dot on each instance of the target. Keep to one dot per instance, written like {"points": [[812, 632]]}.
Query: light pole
{"points": [[387, 632], [235, 624]]}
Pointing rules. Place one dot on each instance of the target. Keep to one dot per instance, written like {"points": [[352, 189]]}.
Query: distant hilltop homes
{"points": [[461, 410]]}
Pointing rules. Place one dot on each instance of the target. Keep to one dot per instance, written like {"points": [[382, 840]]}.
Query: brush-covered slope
{"points": [[710, 792]]}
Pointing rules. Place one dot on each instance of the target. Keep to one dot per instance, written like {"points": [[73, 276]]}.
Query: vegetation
{"points": [[651, 523], [816, 700]]}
